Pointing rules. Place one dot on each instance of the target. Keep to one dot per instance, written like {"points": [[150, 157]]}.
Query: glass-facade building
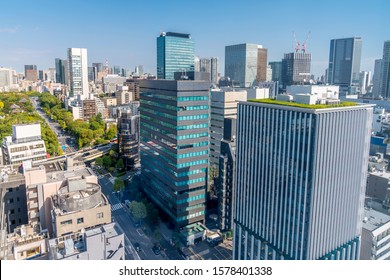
{"points": [[175, 53], [344, 61], [300, 181], [241, 63], [385, 71], [174, 129]]}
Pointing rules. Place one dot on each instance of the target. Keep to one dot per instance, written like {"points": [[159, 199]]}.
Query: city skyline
{"points": [[108, 32]]}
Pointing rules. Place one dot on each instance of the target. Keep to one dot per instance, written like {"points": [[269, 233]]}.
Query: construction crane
{"points": [[304, 44], [297, 45]]}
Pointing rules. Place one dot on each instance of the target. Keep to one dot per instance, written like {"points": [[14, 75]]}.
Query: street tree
{"points": [[118, 185]]}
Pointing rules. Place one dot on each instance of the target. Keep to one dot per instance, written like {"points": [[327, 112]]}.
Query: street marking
{"points": [[140, 232], [116, 207]]}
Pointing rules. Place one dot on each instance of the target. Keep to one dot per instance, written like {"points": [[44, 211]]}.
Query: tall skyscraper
{"points": [[99, 66], [301, 176], [196, 64], [209, 65], [261, 64], [344, 62], [174, 146], [276, 67], [241, 63], [296, 68], [78, 73], [376, 79], [61, 71], [385, 76], [364, 81], [30, 73], [214, 70], [175, 53]]}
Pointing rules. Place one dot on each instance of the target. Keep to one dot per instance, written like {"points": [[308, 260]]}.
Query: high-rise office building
{"points": [[241, 63], [296, 68], [175, 53], [261, 64], [300, 179], [174, 146], [225, 182], [364, 81], [376, 79], [385, 76], [344, 62], [62, 71], [128, 134], [30, 73], [214, 71], [209, 65], [99, 66], [196, 64], [223, 105], [117, 70], [276, 67], [91, 74], [78, 73]]}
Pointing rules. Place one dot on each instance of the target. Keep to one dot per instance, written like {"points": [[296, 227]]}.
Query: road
{"points": [[63, 138], [132, 234]]}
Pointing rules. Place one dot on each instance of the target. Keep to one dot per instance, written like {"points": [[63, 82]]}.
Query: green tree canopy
{"points": [[99, 162], [120, 165], [106, 161], [139, 210], [118, 185]]}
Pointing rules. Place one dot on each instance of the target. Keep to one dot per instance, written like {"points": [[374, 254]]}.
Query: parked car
{"points": [[137, 247], [156, 249]]}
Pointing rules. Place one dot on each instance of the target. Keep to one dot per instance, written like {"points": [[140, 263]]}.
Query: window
{"points": [[17, 199], [80, 220], [67, 222], [12, 211], [99, 215]]}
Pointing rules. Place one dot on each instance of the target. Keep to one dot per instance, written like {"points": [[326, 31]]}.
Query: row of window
{"points": [[194, 215], [188, 182], [194, 154], [192, 198], [179, 99], [191, 136], [196, 171], [193, 117], [80, 220], [192, 163]]}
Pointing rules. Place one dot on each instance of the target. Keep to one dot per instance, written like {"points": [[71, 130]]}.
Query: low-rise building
{"points": [[375, 244], [24, 144], [78, 205], [100, 243]]}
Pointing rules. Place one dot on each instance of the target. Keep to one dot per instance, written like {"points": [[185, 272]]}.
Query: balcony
{"points": [[32, 205], [32, 195], [33, 215]]}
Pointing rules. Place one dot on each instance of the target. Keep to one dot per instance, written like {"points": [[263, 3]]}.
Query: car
{"points": [[137, 247], [156, 249]]}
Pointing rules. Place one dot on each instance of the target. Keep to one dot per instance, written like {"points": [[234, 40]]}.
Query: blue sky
{"points": [[36, 32]]}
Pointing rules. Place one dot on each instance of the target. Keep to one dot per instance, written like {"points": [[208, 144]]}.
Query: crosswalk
{"points": [[116, 207]]}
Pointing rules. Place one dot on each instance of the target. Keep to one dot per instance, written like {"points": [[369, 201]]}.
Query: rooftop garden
{"points": [[300, 105]]}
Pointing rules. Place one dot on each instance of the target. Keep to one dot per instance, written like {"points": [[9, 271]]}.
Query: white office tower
{"points": [[301, 177], [78, 73]]}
